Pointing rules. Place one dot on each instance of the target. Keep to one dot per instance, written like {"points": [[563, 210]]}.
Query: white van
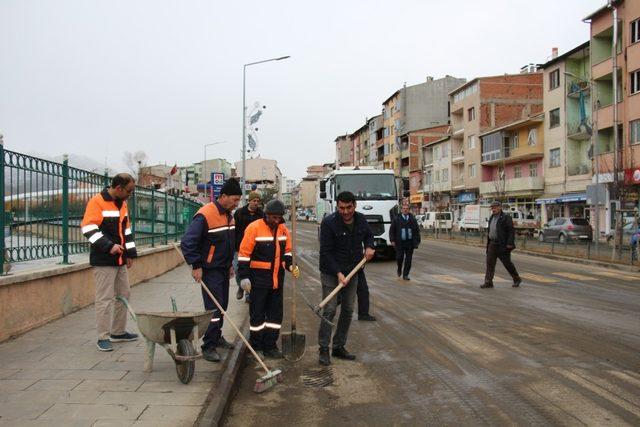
{"points": [[439, 220]]}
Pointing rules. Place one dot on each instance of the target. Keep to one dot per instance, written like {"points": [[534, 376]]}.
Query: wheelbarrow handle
{"points": [[129, 309]]}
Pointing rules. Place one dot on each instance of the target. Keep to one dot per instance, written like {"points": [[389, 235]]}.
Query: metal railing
{"points": [[44, 203]]}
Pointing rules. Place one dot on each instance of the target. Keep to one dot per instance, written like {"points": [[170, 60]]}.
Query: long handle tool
{"points": [[293, 344], [271, 377], [316, 309]]}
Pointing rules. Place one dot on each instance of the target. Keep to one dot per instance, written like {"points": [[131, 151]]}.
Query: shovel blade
{"points": [[293, 346]]}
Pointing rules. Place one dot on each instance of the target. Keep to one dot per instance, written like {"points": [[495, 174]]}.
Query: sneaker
{"points": [[239, 293], [211, 355], [273, 353], [342, 353], [324, 359], [105, 345], [516, 283], [222, 343], [127, 336], [486, 285], [366, 317]]}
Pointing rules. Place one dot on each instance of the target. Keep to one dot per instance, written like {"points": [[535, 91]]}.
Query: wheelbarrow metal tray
{"points": [[156, 326]]}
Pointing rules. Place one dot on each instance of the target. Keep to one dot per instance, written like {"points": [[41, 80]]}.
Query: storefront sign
{"points": [[415, 198], [632, 176], [466, 197]]}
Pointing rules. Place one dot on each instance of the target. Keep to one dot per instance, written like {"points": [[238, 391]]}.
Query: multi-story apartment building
{"points": [[483, 104], [376, 141], [410, 109], [262, 174], [511, 163], [616, 87], [568, 132], [431, 158], [344, 151]]}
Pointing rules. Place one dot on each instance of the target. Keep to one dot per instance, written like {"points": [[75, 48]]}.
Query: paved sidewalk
{"points": [[54, 375]]}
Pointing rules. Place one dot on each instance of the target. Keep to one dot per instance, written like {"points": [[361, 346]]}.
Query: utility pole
{"points": [[617, 153]]}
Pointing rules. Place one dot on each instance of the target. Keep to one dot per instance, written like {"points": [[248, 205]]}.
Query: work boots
{"points": [[324, 359], [211, 355], [342, 353]]}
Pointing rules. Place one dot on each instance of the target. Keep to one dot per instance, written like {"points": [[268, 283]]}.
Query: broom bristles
{"points": [[267, 381]]}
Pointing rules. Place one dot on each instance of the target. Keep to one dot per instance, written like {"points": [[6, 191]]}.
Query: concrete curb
{"points": [[221, 394], [603, 264]]}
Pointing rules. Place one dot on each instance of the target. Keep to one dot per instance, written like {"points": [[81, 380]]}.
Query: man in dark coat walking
{"points": [[500, 243], [405, 237]]}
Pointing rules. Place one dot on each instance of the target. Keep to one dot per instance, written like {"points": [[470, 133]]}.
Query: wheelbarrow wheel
{"points": [[185, 368]]}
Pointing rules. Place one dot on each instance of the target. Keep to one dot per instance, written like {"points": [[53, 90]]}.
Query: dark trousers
{"points": [[363, 294], [347, 298], [265, 317], [495, 252], [404, 252], [217, 281]]}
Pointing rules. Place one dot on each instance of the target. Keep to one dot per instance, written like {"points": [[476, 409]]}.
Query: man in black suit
{"points": [[405, 237], [500, 243]]}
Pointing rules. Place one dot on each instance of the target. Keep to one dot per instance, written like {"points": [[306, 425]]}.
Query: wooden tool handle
{"points": [[293, 260], [340, 285]]}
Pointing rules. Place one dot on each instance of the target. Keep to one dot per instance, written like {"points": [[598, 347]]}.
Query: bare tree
{"points": [[135, 161]]}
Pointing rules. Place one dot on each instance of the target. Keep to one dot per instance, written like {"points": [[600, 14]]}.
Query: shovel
{"points": [[293, 344]]}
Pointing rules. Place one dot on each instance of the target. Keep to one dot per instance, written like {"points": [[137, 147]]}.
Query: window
{"points": [[554, 118], [532, 138], [436, 153], [514, 141], [472, 141], [635, 82], [437, 176], [445, 150], [385, 132], [533, 170], [471, 113], [554, 79], [517, 171], [634, 132], [445, 175], [554, 158], [472, 170], [635, 31]]}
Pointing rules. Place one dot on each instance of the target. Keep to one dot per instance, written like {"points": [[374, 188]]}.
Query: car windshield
{"points": [[443, 216], [579, 221], [368, 186]]}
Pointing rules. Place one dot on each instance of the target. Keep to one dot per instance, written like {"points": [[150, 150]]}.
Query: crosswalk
{"points": [[547, 278]]}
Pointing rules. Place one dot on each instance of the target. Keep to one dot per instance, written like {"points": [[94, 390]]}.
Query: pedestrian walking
{"points": [[107, 225], [363, 298], [208, 246], [265, 253], [243, 217], [405, 237], [500, 243], [343, 237]]}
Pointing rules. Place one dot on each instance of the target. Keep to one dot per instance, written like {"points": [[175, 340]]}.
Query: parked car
{"points": [[440, 220], [627, 230], [563, 229], [420, 219]]}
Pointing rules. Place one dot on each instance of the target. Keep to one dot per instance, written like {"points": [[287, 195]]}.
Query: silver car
{"points": [[565, 229]]}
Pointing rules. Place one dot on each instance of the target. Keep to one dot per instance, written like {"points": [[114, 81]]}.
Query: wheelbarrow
{"points": [[178, 332]]}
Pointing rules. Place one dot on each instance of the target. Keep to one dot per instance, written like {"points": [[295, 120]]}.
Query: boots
{"points": [[342, 353], [324, 359]]}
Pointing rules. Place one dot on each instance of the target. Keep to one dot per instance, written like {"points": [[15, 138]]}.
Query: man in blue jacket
{"points": [[343, 236], [208, 246], [405, 237]]}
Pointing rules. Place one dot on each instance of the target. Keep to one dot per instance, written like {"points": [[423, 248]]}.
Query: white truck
{"points": [[376, 194], [475, 217]]}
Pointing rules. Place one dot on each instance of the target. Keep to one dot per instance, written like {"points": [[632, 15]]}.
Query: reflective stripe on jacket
{"points": [[209, 241], [264, 255], [106, 223]]}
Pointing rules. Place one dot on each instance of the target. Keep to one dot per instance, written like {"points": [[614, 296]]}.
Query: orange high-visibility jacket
{"points": [[264, 255], [106, 223]]}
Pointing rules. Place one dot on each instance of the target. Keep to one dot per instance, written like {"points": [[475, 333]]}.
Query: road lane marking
{"points": [[615, 275], [445, 278], [573, 276], [537, 278]]}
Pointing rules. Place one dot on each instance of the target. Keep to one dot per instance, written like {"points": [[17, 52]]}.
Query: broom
{"points": [[271, 377]]}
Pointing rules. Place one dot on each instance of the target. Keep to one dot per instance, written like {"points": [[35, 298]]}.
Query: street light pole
{"points": [[244, 115]]}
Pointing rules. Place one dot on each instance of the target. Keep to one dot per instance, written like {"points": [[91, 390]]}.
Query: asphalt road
{"points": [[563, 349]]}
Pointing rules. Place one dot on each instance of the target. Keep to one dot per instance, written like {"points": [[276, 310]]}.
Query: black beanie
{"points": [[231, 188]]}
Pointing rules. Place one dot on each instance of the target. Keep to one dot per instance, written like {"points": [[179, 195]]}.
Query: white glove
{"points": [[245, 284]]}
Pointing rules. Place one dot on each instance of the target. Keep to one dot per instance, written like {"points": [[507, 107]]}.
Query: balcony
{"points": [[583, 169], [508, 155], [458, 134], [576, 87], [457, 157], [457, 183], [578, 130], [529, 184]]}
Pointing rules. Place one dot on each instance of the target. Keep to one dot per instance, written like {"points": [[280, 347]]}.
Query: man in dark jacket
{"points": [[208, 246], [500, 243], [343, 235], [243, 217], [405, 237]]}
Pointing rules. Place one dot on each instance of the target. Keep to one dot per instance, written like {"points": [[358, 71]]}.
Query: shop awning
{"points": [[565, 198], [549, 201]]}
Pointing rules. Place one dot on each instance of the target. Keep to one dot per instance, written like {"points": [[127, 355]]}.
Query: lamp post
{"points": [[244, 113], [594, 138], [204, 164]]}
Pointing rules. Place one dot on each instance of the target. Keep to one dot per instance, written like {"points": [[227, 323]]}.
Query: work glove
{"points": [[295, 271], [245, 284]]}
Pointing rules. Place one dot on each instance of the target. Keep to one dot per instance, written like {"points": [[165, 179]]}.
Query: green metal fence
{"points": [[44, 203]]}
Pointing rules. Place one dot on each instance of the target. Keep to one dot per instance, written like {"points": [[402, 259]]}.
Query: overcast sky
{"points": [[98, 78]]}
